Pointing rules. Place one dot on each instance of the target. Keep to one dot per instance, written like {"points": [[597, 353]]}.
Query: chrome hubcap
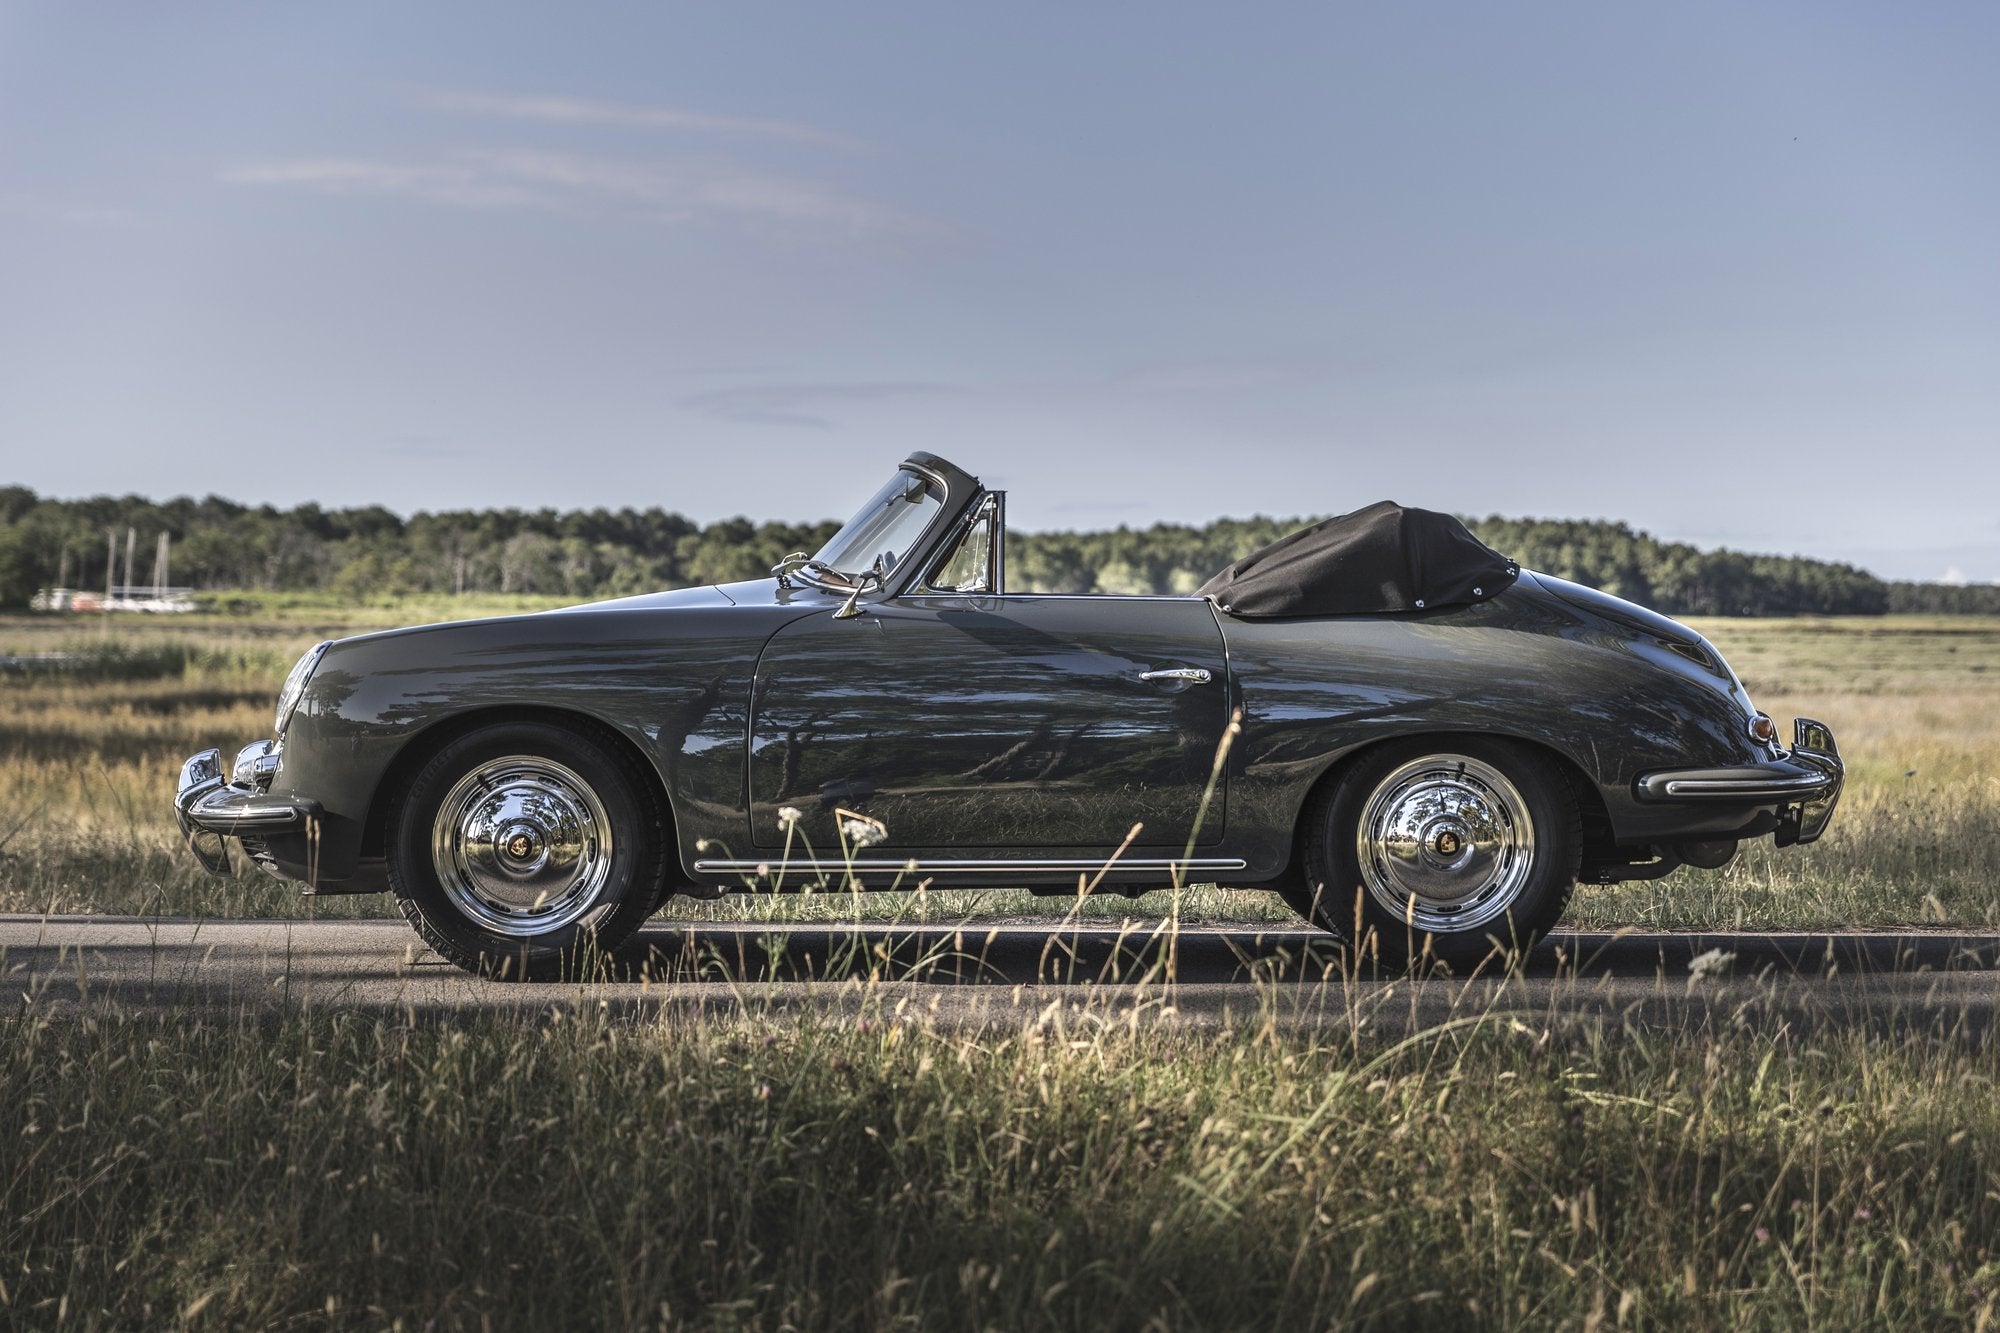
{"points": [[1445, 843], [522, 845]]}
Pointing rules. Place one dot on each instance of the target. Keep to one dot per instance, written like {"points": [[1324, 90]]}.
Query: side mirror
{"points": [[867, 581]]}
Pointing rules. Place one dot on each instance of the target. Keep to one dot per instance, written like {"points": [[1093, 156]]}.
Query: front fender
{"points": [[676, 683]]}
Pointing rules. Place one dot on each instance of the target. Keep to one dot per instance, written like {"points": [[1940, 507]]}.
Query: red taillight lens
{"points": [[1763, 728]]}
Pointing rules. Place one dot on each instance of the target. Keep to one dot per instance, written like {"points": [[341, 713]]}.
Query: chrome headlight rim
{"points": [[295, 683]]}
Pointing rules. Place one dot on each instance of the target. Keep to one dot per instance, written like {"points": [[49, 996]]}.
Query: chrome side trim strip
{"points": [[1722, 784], [970, 867], [1743, 786]]}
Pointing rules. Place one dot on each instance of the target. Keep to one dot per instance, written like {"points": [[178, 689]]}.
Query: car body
{"points": [[890, 721]]}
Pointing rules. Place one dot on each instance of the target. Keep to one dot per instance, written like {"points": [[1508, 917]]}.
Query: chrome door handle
{"points": [[1193, 675]]}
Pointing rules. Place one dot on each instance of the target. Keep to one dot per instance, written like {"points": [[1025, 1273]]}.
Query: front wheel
{"points": [[521, 846], [1446, 849]]}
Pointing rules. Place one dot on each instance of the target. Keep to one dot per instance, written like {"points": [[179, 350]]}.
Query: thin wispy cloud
{"points": [[667, 189], [464, 186], [806, 405], [670, 191], [549, 110], [54, 209]]}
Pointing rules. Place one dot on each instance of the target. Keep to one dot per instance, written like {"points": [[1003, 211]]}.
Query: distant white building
{"points": [[149, 597], [155, 597]]}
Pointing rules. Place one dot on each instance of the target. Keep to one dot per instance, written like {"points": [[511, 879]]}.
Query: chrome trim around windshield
{"points": [[906, 563], [998, 555], [985, 503]]}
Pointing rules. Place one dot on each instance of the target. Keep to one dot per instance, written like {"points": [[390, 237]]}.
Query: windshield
{"points": [[888, 525]]}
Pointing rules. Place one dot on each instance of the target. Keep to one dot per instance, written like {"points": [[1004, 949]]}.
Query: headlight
{"points": [[295, 684]]}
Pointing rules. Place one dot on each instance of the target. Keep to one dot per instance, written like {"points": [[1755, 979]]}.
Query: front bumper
{"points": [[210, 809], [1803, 782]]}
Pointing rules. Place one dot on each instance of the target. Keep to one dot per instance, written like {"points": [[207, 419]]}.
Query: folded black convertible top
{"points": [[1382, 558]]}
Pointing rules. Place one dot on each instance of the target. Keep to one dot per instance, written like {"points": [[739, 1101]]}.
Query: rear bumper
{"points": [[211, 809], [1803, 783]]}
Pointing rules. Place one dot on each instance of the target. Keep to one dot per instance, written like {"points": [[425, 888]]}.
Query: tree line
{"points": [[589, 553]]}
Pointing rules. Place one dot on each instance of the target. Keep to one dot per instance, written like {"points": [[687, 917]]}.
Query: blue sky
{"points": [[1728, 272]]}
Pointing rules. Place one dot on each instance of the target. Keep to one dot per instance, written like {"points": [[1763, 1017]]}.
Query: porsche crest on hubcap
{"points": [[1445, 842], [522, 845]]}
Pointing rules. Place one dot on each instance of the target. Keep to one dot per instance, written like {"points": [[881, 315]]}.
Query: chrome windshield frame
{"points": [[984, 504], [960, 491], [936, 489]]}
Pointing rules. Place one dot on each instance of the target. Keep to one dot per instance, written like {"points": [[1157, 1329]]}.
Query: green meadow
{"points": [[89, 749], [1107, 1166]]}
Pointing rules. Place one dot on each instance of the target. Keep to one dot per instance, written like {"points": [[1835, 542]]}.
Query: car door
{"points": [[993, 722]]}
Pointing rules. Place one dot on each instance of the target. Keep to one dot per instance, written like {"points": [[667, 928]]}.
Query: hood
{"points": [[708, 595]]}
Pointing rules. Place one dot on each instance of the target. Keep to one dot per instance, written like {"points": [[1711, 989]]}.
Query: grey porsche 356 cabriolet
{"points": [[1417, 744]]}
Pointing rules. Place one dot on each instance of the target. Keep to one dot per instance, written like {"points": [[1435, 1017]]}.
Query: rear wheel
{"points": [[1444, 848], [523, 846]]}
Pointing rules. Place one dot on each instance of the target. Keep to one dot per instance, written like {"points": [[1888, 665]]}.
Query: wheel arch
{"points": [[419, 750], [1599, 840]]}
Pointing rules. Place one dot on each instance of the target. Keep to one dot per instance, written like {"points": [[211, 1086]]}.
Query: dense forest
{"points": [[219, 544]]}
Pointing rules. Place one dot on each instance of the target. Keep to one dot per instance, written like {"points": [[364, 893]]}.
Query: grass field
{"points": [[880, 1172], [88, 754], [1105, 1167]]}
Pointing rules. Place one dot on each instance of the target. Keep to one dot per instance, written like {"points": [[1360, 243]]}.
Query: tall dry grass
{"points": [[1100, 1164], [88, 759], [1098, 1168]]}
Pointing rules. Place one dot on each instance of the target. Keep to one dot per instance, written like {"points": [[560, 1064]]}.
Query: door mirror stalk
{"points": [[866, 581]]}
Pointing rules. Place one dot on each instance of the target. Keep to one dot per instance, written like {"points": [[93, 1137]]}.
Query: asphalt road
{"points": [[1010, 975]]}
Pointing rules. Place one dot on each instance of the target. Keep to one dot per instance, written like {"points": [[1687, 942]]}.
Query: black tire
{"points": [[1486, 831], [522, 850]]}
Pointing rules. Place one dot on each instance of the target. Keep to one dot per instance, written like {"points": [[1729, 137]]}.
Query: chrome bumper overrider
{"points": [[210, 809], [1805, 780]]}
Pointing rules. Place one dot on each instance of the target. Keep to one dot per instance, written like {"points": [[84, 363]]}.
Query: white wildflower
{"points": [[1714, 963], [861, 833], [789, 815]]}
